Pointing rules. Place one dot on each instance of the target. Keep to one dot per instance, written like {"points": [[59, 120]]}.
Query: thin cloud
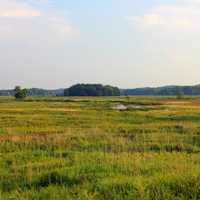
{"points": [[20, 12], [22, 20], [14, 9], [173, 16]]}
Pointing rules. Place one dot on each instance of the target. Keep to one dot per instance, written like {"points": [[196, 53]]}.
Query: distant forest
{"points": [[75, 90], [35, 92], [100, 90], [92, 90], [163, 91]]}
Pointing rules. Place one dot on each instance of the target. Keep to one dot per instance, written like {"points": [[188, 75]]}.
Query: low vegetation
{"points": [[83, 148]]}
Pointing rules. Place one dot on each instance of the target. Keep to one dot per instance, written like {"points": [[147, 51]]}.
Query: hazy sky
{"points": [[127, 43]]}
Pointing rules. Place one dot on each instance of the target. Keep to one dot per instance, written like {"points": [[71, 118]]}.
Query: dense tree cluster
{"points": [[92, 90]]}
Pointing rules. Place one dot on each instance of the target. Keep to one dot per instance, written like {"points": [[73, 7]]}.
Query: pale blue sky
{"points": [[127, 43]]}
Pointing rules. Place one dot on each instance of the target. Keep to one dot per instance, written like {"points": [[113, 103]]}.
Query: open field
{"points": [[82, 148]]}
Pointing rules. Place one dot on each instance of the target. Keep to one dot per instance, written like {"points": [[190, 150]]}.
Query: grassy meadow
{"points": [[83, 149]]}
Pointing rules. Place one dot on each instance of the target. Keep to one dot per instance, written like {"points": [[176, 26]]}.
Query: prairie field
{"points": [[84, 148]]}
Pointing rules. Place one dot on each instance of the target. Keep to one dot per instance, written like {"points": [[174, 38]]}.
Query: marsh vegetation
{"points": [[81, 148]]}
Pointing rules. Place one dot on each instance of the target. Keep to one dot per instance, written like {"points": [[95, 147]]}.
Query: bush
{"points": [[20, 93]]}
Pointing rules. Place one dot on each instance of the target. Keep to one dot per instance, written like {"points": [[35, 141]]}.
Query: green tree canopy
{"points": [[20, 93], [92, 90]]}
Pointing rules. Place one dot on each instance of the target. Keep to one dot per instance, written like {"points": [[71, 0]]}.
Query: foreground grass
{"points": [[82, 148]]}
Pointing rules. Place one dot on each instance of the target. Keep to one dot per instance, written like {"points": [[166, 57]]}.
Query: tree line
{"points": [[75, 90], [100, 90], [92, 90], [163, 91]]}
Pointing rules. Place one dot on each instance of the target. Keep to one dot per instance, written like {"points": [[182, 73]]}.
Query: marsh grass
{"points": [[81, 148]]}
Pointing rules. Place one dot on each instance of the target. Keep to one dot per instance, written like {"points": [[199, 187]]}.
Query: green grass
{"points": [[81, 148]]}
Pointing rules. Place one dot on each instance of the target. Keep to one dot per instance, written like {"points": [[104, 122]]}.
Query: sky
{"points": [[126, 43]]}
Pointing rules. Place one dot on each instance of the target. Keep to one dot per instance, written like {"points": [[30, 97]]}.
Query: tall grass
{"points": [[82, 148]]}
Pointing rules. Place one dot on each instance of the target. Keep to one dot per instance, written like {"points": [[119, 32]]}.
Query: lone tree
{"points": [[20, 93]]}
